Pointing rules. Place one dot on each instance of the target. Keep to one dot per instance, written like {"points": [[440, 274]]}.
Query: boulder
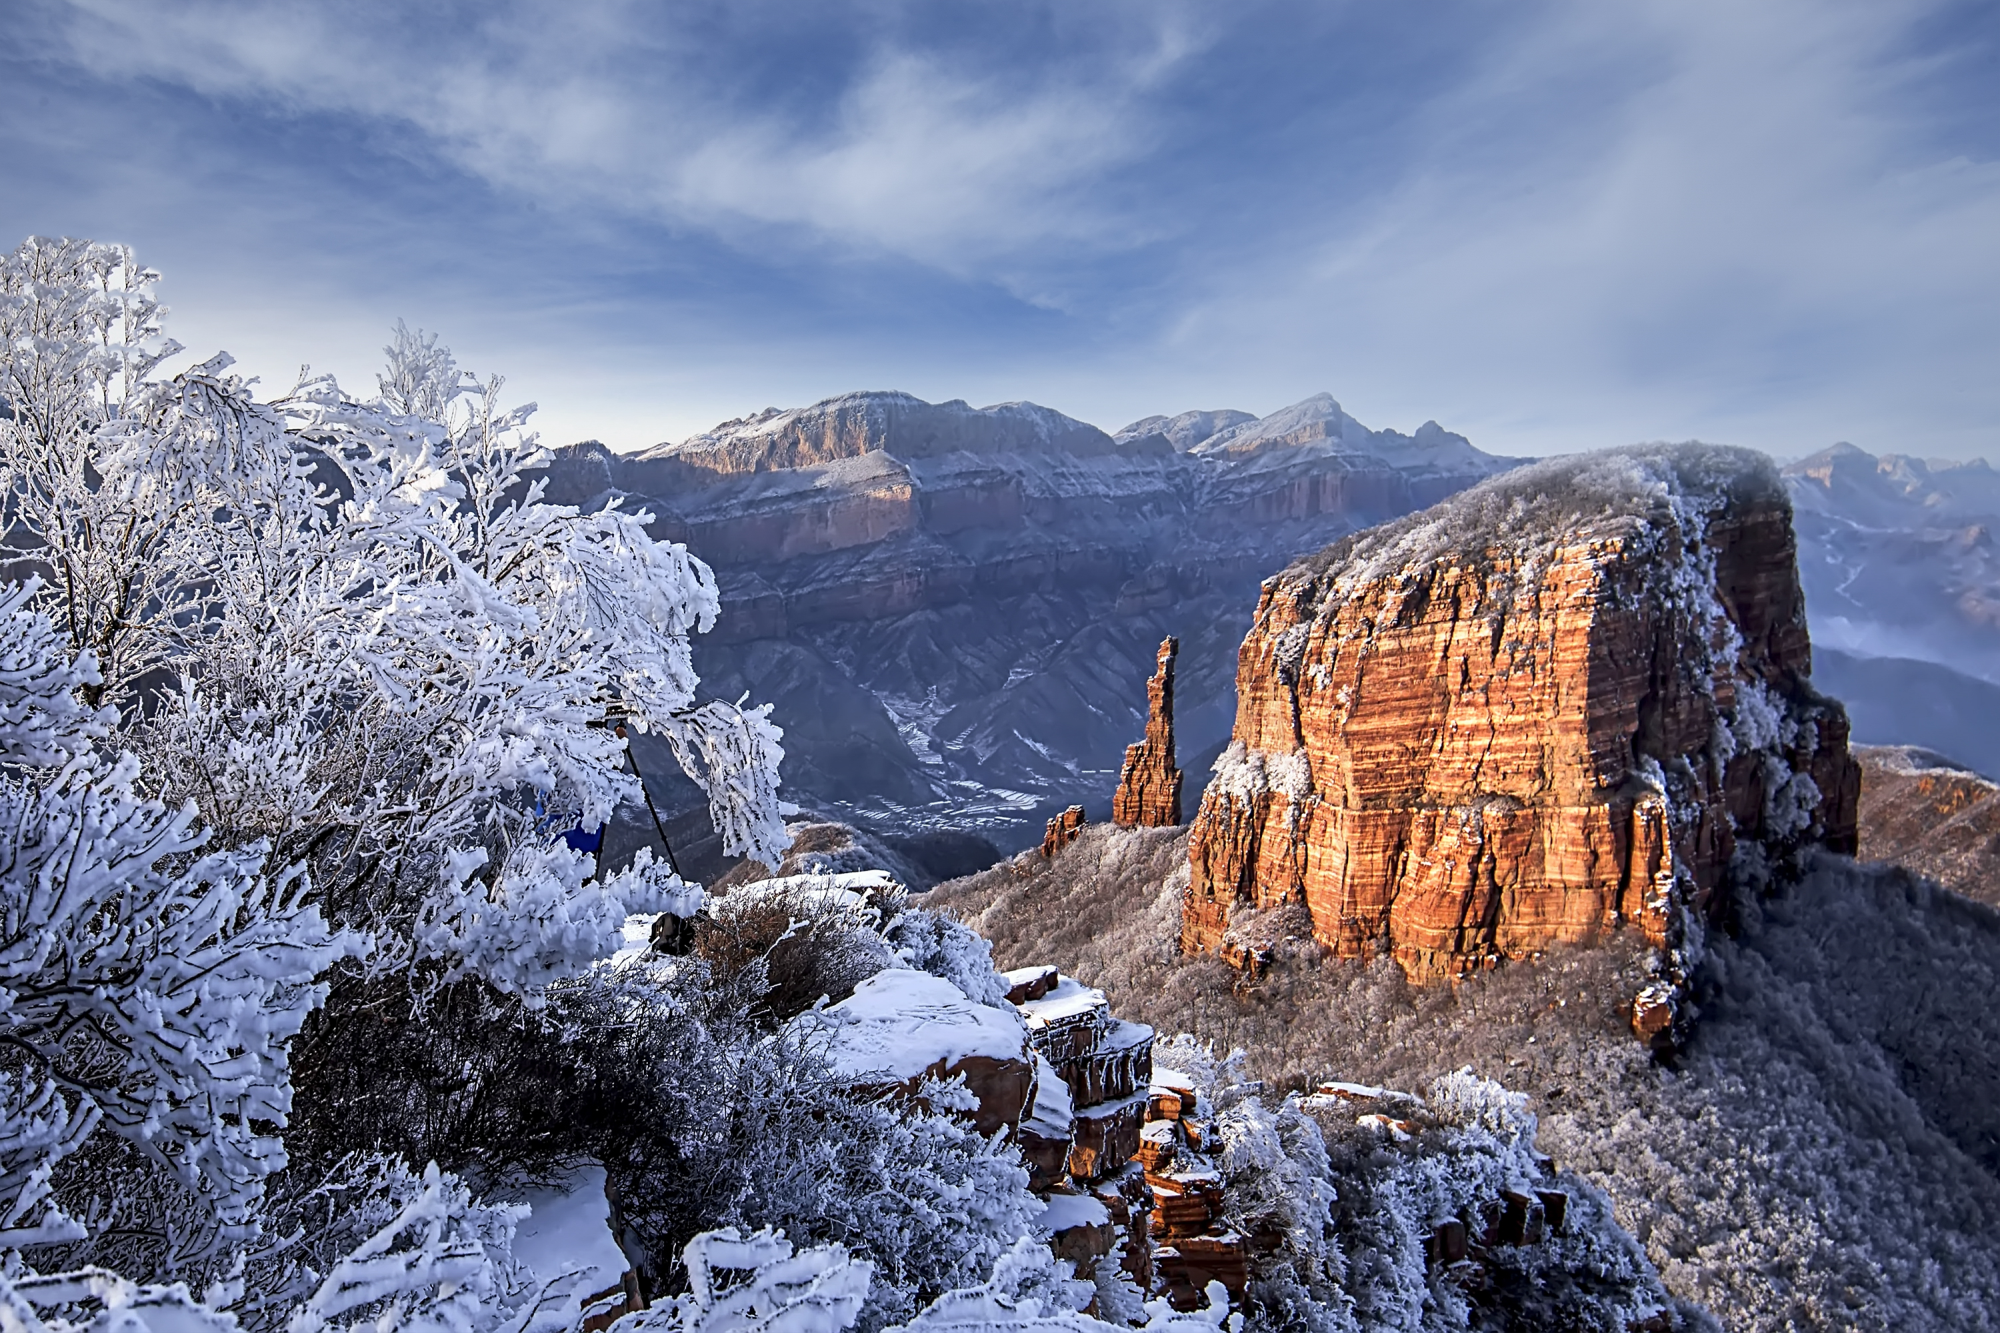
{"points": [[1029, 983], [902, 1026]]}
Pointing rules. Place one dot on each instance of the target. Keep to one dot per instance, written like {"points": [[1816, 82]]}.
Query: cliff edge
{"points": [[1573, 696]]}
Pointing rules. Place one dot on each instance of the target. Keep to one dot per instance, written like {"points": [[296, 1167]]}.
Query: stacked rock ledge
{"points": [[1574, 697]]}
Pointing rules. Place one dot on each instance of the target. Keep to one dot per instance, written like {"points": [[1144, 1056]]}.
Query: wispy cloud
{"points": [[911, 142], [1554, 223], [1685, 218]]}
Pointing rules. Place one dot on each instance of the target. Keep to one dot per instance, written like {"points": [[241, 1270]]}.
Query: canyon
{"points": [[1902, 583], [951, 608], [1574, 697]]}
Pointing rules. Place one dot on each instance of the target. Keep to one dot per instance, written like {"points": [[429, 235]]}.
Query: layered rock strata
{"points": [[1062, 830], [1149, 785], [1192, 1243], [1082, 1130], [1573, 697]]}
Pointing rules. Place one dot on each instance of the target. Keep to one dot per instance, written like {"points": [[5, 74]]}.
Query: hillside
{"points": [[1922, 811], [1821, 1157]]}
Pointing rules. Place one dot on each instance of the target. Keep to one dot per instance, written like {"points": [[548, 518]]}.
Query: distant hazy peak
{"points": [[1317, 418], [1187, 430], [1844, 478], [1320, 421], [851, 424]]}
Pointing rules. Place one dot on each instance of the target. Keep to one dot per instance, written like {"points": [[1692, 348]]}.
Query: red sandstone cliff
{"points": [[1149, 787], [1571, 697]]}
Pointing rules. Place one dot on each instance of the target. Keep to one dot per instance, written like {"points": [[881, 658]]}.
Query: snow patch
{"points": [[901, 1023]]}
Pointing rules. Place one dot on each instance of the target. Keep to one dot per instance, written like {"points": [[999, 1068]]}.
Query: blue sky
{"points": [[1548, 225]]}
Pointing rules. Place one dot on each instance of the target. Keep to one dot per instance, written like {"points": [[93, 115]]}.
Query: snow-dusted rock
{"points": [[901, 1027]]}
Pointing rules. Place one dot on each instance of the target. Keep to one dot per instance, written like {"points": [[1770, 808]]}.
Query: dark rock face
{"points": [[1573, 697], [1149, 786], [951, 608]]}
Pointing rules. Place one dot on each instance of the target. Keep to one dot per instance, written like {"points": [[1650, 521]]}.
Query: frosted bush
{"points": [[382, 651], [818, 1290], [1464, 1099], [942, 947], [1248, 774]]}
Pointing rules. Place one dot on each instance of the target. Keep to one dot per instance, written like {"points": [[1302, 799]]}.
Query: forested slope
{"points": [[1821, 1156]]}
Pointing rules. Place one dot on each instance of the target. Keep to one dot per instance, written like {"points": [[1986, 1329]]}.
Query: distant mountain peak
{"points": [[1188, 429], [901, 424]]}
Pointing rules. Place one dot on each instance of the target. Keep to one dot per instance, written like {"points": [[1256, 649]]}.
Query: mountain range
{"points": [[1902, 583], [953, 610]]}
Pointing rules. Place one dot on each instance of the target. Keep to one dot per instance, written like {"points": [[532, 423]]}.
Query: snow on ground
{"points": [[1074, 1210], [1070, 999], [570, 1230]]}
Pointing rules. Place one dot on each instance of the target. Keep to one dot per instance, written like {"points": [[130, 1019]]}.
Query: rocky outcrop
{"points": [[1573, 697], [942, 602], [1082, 1132], [1062, 831], [1922, 811], [1193, 1244], [1149, 786], [902, 1028]]}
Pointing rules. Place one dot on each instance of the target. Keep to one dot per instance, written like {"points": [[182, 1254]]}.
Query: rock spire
{"points": [[1149, 787]]}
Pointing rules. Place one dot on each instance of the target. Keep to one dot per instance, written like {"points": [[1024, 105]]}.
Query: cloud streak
{"points": [[1553, 224], [916, 150]]}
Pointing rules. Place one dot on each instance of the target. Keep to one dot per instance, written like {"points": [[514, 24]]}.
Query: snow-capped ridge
{"points": [[899, 424], [1188, 429]]}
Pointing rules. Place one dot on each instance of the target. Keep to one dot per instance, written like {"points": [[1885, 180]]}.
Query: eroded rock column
{"points": [[1149, 786]]}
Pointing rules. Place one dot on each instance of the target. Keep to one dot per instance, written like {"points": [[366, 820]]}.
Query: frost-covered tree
{"points": [[391, 677], [146, 988], [354, 629]]}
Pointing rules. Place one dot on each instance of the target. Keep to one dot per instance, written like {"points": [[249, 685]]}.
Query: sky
{"points": [[1548, 224]]}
